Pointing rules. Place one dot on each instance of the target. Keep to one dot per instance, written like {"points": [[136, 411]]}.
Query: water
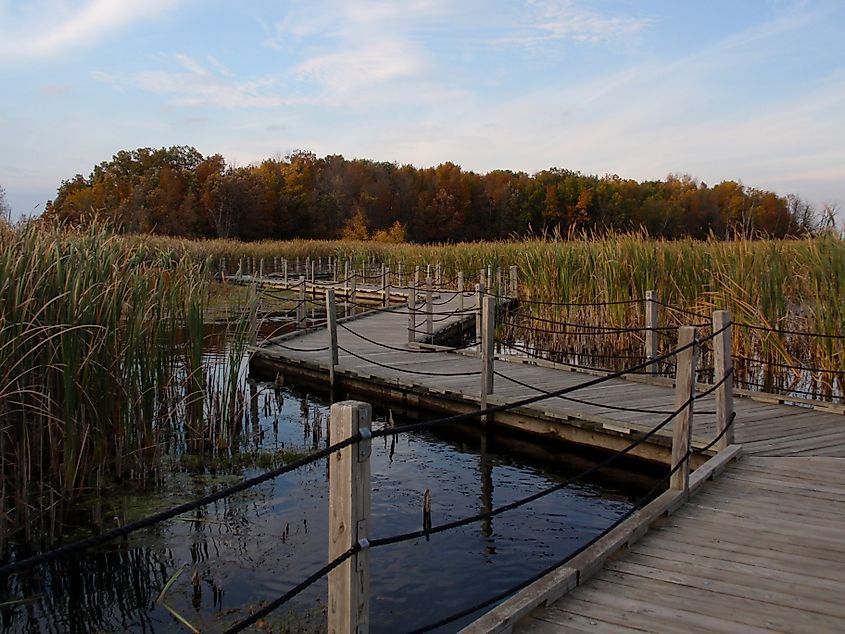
{"points": [[245, 551]]}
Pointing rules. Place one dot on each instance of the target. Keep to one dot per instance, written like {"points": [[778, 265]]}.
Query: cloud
{"points": [[196, 85], [45, 29]]}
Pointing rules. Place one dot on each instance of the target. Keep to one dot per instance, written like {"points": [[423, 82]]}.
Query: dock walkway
{"points": [[761, 549]]}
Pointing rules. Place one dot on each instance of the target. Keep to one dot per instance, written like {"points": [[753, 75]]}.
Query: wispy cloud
{"points": [[196, 85], [544, 21], [48, 28]]}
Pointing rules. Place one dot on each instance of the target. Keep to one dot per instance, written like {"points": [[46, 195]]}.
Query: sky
{"points": [[747, 90]]}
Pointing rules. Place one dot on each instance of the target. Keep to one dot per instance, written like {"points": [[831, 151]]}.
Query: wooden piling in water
{"points": [[349, 511]]}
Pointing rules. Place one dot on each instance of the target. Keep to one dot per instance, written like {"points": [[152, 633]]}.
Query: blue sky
{"points": [[752, 90]]}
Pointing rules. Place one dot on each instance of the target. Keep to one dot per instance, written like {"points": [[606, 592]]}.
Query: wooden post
{"points": [[253, 314], [331, 321], [349, 511], [300, 307], [385, 285], [651, 333], [416, 277], [488, 328], [275, 264], [479, 293], [482, 278], [261, 267], [399, 273], [313, 277], [498, 283], [723, 364], [460, 290], [489, 276], [285, 270], [240, 267], [429, 308], [438, 275], [297, 265], [682, 425], [412, 314], [352, 291], [514, 271]]}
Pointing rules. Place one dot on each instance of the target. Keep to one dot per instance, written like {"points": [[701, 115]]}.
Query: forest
{"points": [[177, 191]]}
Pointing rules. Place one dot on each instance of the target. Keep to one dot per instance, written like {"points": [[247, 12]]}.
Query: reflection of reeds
{"points": [[91, 379]]}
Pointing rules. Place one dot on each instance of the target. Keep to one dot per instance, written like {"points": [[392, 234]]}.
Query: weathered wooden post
{"points": [[412, 315], [285, 271], [482, 278], [313, 278], [479, 294], [460, 290], [331, 322], [514, 288], [682, 425], [300, 307], [488, 328], [261, 267], [349, 511], [275, 264], [416, 277], [499, 292], [401, 282], [385, 285], [650, 333], [240, 267], [438, 275], [297, 265], [352, 289], [429, 308], [253, 314], [489, 276], [723, 364]]}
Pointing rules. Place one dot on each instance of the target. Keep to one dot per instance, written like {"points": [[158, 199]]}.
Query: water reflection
{"points": [[234, 555]]}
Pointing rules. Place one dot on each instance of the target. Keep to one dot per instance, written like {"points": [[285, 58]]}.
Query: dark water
{"points": [[249, 549]]}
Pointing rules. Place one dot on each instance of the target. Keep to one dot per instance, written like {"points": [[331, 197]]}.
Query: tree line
{"points": [[177, 191]]}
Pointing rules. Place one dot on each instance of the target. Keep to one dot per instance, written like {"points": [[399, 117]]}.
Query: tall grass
{"points": [[776, 284], [101, 353]]}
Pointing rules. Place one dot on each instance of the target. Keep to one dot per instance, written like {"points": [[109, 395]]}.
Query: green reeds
{"points": [[101, 358]]}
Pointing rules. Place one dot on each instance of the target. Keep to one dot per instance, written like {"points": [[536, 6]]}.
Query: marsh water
{"points": [[211, 568]]}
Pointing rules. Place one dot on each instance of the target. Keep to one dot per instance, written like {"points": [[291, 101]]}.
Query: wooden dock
{"points": [[760, 549]]}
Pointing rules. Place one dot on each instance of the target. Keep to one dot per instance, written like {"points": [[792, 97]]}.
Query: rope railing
{"points": [[124, 531], [407, 370], [796, 333]]}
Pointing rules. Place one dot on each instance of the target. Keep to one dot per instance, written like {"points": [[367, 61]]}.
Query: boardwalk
{"points": [[761, 548]]}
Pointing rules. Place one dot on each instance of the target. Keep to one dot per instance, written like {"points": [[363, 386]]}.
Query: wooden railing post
{"points": [[416, 277], [460, 290], [438, 276], [651, 333], [429, 308], [401, 282], [240, 267], [285, 270], [385, 285], [313, 278], [723, 364], [682, 424], [331, 323], [412, 314], [349, 511], [253, 314], [514, 288], [499, 292], [482, 278], [488, 329], [261, 267], [300, 307], [479, 294], [275, 264]]}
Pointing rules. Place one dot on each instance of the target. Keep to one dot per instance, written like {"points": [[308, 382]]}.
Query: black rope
{"points": [[395, 369], [293, 349], [583, 402], [598, 329], [786, 366], [523, 584], [716, 385], [718, 436], [384, 345], [157, 518], [396, 539], [682, 311], [290, 594], [546, 303], [788, 332]]}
